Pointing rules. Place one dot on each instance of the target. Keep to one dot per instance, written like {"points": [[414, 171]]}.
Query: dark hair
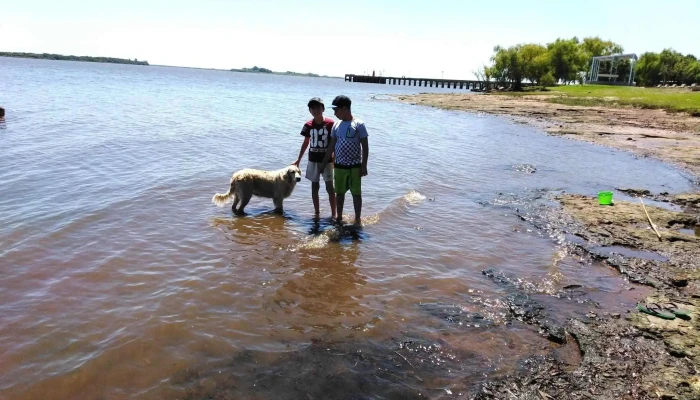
{"points": [[2, 112]]}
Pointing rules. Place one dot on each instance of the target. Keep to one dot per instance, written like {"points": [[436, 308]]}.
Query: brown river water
{"points": [[119, 279]]}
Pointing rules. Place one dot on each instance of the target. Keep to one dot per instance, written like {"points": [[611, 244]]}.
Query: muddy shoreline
{"points": [[633, 355], [671, 137]]}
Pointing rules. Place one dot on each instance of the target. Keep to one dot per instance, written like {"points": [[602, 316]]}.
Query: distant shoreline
{"points": [[259, 70], [289, 73], [59, 57], [111, 60]]}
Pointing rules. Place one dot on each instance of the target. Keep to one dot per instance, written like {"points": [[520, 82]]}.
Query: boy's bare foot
{"points": [[358, 222]]}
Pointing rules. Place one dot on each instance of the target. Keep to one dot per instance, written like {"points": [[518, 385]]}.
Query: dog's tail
{"points": [[221, 199]]}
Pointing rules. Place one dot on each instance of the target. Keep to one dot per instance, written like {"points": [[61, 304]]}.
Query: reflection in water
{"points": [[318, 225], [317, 284], [254, 230], [323, 292]]}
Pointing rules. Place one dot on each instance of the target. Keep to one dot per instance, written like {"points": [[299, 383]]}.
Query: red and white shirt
{"points": [[319, 136]]}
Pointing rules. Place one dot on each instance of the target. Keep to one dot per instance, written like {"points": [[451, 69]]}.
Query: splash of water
{"points": [[414, 198]]}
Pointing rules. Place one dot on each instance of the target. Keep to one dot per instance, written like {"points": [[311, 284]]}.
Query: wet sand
{"points": [[671, 137], [628, 355]]}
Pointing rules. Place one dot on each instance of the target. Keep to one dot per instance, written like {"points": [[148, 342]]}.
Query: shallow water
{"points": [[120, 279], [692, 232]]}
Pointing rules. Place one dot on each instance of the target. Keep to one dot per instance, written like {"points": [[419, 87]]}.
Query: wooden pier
{"points": [[425, 82]]}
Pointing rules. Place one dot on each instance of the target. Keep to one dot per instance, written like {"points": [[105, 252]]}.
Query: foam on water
{"points": [[414, 198]]}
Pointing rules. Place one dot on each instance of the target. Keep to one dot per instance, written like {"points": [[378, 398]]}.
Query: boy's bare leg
{"points": [[339, 201], [357, 202], [314, 196], [331, 197]]}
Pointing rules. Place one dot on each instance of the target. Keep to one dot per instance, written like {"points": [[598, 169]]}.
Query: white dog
{"points": [[275, 185]]}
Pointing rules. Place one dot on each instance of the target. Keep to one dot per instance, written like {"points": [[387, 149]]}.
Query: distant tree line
{"points": [[569, 60], [260, 70], [311, 74], [255, 69], [47, 56], [668, 66]]}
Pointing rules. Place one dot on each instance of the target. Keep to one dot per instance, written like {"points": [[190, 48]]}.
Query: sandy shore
{"points": [[671, 137]]}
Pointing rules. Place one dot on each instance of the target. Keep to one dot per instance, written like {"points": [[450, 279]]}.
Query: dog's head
{"points": [[293, 174]]}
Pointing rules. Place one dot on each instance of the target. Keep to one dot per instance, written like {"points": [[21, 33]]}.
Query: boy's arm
{"points": [[303, 150], [329, 152], [365, 155], [362, 129]]}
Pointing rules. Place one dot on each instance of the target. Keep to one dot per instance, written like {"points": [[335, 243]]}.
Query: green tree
{"points": [[667, 66], [693, 73], [596, 47], [568, 60], [547, 80], [668, 59], [686, 69], [648, 69], [499, 75], [536, 61], [508, 66]]}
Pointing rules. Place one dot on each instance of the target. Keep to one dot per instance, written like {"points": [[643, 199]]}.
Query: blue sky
{"points": [[414, 38]]}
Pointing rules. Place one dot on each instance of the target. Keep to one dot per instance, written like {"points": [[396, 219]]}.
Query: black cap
{"points": [[316, 100], [342, 101]]}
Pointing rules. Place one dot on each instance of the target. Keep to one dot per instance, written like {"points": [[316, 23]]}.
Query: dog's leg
{"points": [[245, 198], [235, 203], [278, 204]]}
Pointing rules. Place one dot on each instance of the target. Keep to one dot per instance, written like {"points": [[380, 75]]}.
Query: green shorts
{"points": [[347, 179]]}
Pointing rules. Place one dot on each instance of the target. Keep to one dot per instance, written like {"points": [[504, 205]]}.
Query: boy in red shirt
{"points": [[317, 135]]}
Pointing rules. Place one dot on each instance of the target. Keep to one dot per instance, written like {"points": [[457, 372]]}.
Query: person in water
{"points": [[316, 133], [349, 145]]}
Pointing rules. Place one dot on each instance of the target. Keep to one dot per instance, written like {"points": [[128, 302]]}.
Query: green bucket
{"points": [[605, 198]]}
